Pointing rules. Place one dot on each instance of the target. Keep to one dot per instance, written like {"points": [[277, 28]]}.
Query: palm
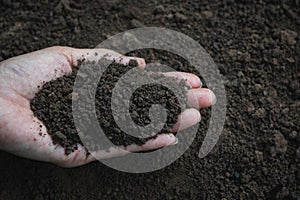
{"points": [[23, 134]]}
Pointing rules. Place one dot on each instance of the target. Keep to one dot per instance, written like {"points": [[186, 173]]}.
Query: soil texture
{"points": [[255, 45], [53, 103]]}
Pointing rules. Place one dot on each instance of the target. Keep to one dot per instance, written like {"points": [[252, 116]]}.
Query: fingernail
{"points": [[213, 98], [141, 62], [176, 141], [200, 86]]}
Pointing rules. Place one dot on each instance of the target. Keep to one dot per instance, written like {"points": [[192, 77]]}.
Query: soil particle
{"points": [[160, 9], [259, 155], [180, 17], [288, 37], [260, 113], [232, 53], [136, 23], [280, 143], [206, 14]]}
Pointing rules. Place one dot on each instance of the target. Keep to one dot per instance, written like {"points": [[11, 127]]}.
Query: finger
{"points": [[75, 56], [161, 140], [78, 157], [186, 119], [200, 98], [192, 80]]}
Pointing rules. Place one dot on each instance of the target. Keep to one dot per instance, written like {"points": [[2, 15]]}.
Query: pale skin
{"points": [[22, 77]]}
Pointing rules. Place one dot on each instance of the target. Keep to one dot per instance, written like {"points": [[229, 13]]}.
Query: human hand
{"points": [[22, 77]]}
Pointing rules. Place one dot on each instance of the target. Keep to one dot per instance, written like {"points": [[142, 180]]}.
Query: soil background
{"points": [[255, 45]]}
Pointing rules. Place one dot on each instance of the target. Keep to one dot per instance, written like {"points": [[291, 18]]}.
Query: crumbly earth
{"points": [[255, 45], [53, 103]]}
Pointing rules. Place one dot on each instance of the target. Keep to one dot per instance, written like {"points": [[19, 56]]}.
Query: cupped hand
{"points": [[22, 77]]}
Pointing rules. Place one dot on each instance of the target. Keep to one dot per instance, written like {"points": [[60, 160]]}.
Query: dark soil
{"points": [[53, 103], [256, 47]]}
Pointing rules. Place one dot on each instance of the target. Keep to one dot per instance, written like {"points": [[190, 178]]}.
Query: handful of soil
{"points": [[53, 104]]}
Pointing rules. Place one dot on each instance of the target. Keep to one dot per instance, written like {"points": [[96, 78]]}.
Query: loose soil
{"points": [[255, 45], [53, 103]]}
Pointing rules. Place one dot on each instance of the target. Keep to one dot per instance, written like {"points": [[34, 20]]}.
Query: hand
{"points": [[20, 79]]}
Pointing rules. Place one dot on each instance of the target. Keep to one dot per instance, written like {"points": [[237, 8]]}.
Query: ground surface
{"points": [[255, 45]]}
